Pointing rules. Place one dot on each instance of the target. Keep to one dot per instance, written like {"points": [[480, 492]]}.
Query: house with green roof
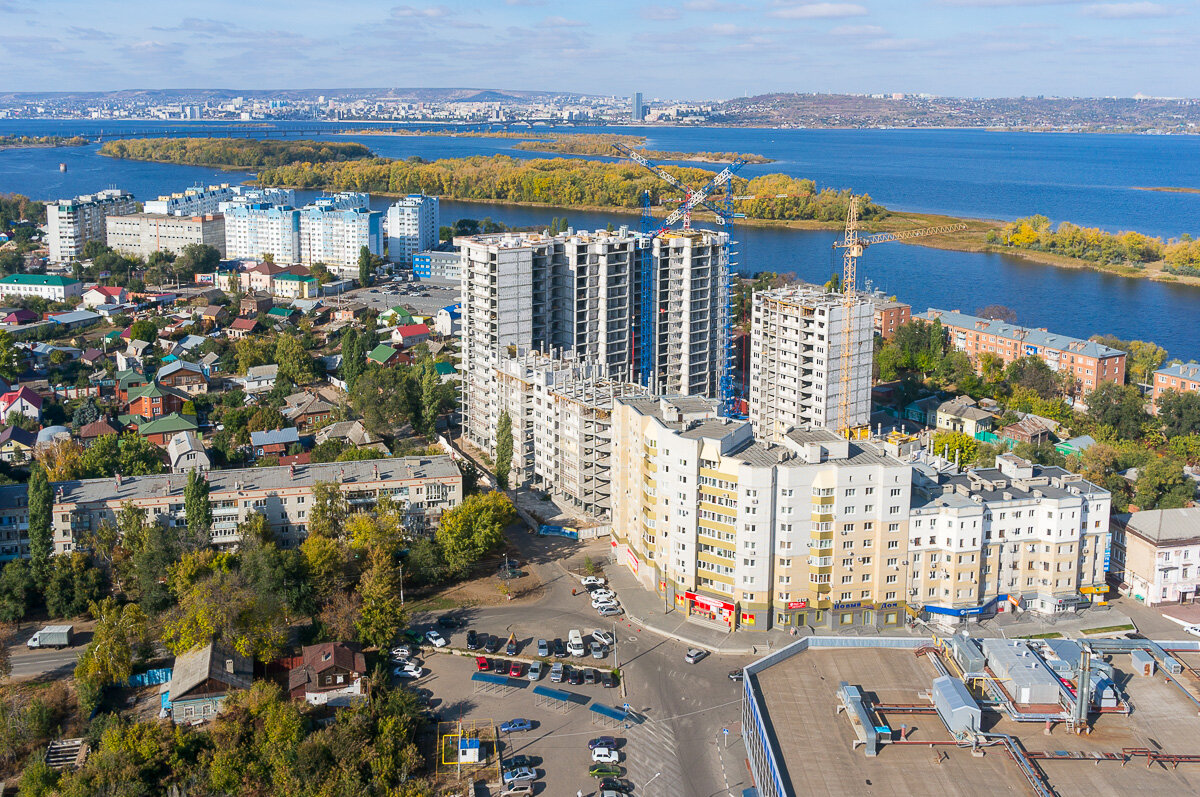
{"points": [[160, 430], [294, 286], [48, 286], [446, 371], [154, 400], [395, 316], [284, 314], [386, 356]]}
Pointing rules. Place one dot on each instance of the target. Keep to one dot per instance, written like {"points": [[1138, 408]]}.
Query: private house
{"points": [[307, 411], [273, 442], [330, 674], [385, 355], [1156, 555], [22, 401], [160, 430], [104, 294], [214, 314], [962, 414], [350, 312], [241, 327], [16, 445], [258, 379], [352, 434], [259, 277], [446, 371], [210, 365], [184, 376], [93, 357], [1075, 446], [155, 400], [294, 286], [186, 452], [283, 315], [20, 317], [923, 411], [253, 304], [396, 315], [48, 286], [1027, 430], [202, 679], [127, 379], [448, 321], [410, 335], [93, 431]]}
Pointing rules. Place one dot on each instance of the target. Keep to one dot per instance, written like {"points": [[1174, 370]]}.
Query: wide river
{"points": [[1087, 179]]}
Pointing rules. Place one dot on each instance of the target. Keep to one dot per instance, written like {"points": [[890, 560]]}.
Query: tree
{"points": [[1162, 484], [72, 586], [327, 562], [1179, 413], [143, 330], [504, 449], [431, 399], [1034, 374], [130, 454], [329, 509], [353, 357], [382, 615], [340, 616], [41, 510], [84, 414], [198, 508], [278, 571], [10, 358], [61, 459], [108, 658], [1120, 407], [250, 352], [295, 363], [17, 591], [955, 445], [997, 312], [225, 608], [473, 529], [364, 267], [424, 565], [196, 259]]}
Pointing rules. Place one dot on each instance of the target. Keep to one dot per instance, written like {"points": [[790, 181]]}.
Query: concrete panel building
{"points": [[796, 361], [412, 227], [195, 201], [1156, 555], [71, 223], [142, 234], [335, 235], [254, 230]]}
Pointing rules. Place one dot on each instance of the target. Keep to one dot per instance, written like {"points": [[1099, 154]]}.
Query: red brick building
{"points": [[889, 315], [1181, 377]]}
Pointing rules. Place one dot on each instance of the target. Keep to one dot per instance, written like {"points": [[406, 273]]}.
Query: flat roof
{"points": [[800, 694]]}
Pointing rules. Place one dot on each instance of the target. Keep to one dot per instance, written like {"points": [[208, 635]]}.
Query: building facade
{"points": [[1156, 555], [71, 223], [427, 486], [1018, 537], [1089, 363], [741, 533], [437, 265], [195, 201], [142, 234], [334, 235], [254, 230], [48, 286], [412, 227], [889, 315], [796, 363], [1180, 377]]}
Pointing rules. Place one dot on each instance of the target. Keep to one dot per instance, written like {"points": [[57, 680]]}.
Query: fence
{"points": [[149, 677]]}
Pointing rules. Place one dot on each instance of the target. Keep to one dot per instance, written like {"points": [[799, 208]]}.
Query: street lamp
{"points": [[656, 774]]}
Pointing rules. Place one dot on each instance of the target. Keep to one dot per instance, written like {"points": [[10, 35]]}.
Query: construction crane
{"points": [[853, 245], [693, 198]]}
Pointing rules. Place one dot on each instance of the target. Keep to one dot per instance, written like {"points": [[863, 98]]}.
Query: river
{"points": [[1087, 179]]}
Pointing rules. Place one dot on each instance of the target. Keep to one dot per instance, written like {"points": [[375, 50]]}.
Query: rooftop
{"points": [[1163, 525], [1181, 370], [38, 279], [1027, 335]]}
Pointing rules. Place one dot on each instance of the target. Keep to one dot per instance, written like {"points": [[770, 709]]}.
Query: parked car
{"points": [[611, 793], [560, 650], [516, 669], [511, 647], [608, 680], [492, 645], [510, 564], [601, 594], [518, 761], [605, 755], [482, 664], [520, 789], [403, 651], [543, 648], [589, 581], [517, 725], [519, 775], [435, 639], [575, 677], [1194, 630], [737, 675], [605, 604], [472, 640], [617, 785], [604, 770], [604, 638], [556, 672], [409, 670], [603, 741], [589, 676], [610, 610], [598, 650], [535, 671], [694, 655], [450, 621]]}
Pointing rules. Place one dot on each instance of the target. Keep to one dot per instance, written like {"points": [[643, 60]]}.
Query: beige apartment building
{"points": [[142, 234], [1017, 537], [1156, 555], [739, 533]]}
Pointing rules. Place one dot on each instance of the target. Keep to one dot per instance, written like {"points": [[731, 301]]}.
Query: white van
{"points": [[575, 643]]}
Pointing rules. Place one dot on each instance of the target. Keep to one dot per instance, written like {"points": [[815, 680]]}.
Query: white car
{"points": [[1194, 630], [436, 639], [604, 638], [604, 755], [602, 593], [600, 603], [588, 581], [409, 670], [402, 652]]}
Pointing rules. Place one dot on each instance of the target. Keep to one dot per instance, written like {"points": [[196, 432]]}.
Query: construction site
{"points": [[961, 715]]}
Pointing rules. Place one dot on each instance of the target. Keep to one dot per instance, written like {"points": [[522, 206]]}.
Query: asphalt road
{"points": [[46, 662]]}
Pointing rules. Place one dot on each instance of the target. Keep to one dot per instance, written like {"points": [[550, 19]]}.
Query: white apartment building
{"points": [[561, 413], [335, 235], [195, 201], [1015, 537], [1156, 555], [412, 226], [741, 533], [796, 362], [142, 234], [331, 230], [256, 229], [581, 294], [71, 223], [252, 195]]}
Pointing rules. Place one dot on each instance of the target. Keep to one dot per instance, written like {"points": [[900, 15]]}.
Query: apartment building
{"points": [[254, 230], [71, 223], [1181, 377], [48, 286], [743, 533], [1018, 536], [438, 265], [796, 362], [195, 201], [426, 486], [1156, 555], [335, 235], [561, 413], [412, 227], [889, 315], [142, 234], [1088, 362], [250, 195]]}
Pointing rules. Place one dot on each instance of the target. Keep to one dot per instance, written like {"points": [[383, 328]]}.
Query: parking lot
{"points": [[387, 295]]}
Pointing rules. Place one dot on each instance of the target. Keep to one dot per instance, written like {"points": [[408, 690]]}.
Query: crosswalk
{"points": [[651, 750]]}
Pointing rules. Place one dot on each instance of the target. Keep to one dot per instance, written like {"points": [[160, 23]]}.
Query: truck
{"points": [[53, 636], [575, 642]]}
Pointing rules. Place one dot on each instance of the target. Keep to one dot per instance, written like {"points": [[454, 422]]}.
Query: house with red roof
{"points": [[410, 335], [23, 401], [241, 327], [104, 294]]}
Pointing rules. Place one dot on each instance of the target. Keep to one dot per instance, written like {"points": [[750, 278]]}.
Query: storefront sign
{"points": [[841, 607], [631, 560], [890, 605], [709, 604], [797, 604]]}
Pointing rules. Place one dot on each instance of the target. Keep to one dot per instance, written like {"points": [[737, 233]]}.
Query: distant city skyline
{"points": [[685, 49]]}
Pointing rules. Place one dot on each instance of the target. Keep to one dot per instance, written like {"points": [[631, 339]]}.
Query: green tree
{"points": [[41, 510], [1162, 484], [364, 267], [143, 330], [73, 585], [431, 399], [327, 516], [108, 658], [1179, 413], [1033, 374], [955, 444], [473, 529], [1120, 407], [225, 607], [382, 615], [272, 570], [327, 562], [196, 259], [295, 363], [17, 591], [10, 358], [504, 449], [198, 509]]}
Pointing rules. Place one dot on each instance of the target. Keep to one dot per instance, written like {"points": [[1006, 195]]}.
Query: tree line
{"points": [[602, 144], [247, 153], [1037, 233]]}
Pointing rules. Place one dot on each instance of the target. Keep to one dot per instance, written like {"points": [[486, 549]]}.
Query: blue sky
{"points": [[676, 48]]}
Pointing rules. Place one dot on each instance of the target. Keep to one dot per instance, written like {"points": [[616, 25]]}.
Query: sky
{"points": [[681, 49]]}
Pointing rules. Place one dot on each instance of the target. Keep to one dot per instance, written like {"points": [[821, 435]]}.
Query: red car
{"points": [[516, 670], [482, 664]]}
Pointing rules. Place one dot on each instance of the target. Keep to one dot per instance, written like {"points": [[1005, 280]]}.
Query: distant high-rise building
{"points": [[412, 226], [71, 223], [796, 360], [254, 230], [335, 235], [639, 110], [331, 231], [195, 201]]}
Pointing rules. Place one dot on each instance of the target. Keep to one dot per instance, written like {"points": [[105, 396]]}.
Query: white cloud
{"points": [[423, 12], [1131, 10], [663, 14], [858, 30], [563, 22], [820, 11], [1003, 3]]}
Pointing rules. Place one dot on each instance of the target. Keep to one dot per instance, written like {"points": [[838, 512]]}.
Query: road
{"points": [[41, 662]]}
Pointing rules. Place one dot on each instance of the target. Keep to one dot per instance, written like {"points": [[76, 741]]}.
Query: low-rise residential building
{"points": [[448, 321], [273, 442], [1089, 363], [50, 287], [202, 680], [963, 414], [889, 315], [438, 265], [16, 445], [183, 376], [160, 430], [93, 431], [352, 434], [154, 400], [1017, 536], [1029, 429], [1180, 377], [385, 356], [143, 234], [22, 401], [253, 304], [426, 486], [258, 378], [104, 294], [1156, 555], [241, 327], [186, 452], [329, 674], [308, 411], [294, 286], [410, 335]]}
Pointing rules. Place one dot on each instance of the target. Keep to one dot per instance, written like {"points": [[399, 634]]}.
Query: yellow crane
{"points": [[853, 245]]}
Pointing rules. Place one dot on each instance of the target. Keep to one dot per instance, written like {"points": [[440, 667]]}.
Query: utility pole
{"points": [[401, 583]]}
